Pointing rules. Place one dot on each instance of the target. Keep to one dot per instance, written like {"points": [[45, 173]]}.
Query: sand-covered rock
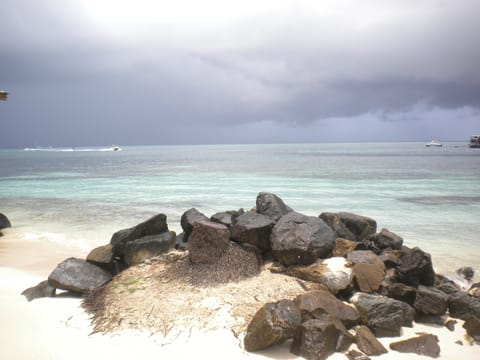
{"points": [[207, 242], [188, 219]]}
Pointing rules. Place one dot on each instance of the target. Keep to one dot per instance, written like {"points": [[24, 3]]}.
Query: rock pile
{"points": [[372, 283]]}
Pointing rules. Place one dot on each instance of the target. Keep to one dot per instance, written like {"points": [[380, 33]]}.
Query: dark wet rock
{"points": [[227, 218], [462, 306], [207, 242], [450, 324], [387, 240], [360, 226], [415, 268], [430, 301], [391, 258], [190, 217], [78, 276], [356, 355], [139, 250], [153, 226], [365, 257], [426, 344], [272, 324], [399, 291], [333, 220], [316, 339], [313, 304], [343, 247], [102, 256], [384, 316], [472, 326], [180, 243], [335, 273], [254, 229], [42, 289], [271, 205], [467, 272], [459, 342], [4, 222], [301, 239], [367, 342], [429, 319], [368, 277]]}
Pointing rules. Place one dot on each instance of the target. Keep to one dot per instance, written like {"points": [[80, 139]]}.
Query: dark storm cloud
{"points": [[293, 65]]}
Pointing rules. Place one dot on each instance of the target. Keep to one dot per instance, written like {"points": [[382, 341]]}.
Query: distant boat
{"points": [[3, 95], [116, 148], [433, 143], [474, 142]]}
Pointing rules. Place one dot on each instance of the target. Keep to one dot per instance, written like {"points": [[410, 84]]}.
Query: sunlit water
{"points": [[429, 196]]}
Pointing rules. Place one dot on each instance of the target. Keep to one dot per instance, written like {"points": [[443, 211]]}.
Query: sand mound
{"points": [[171, 295]]}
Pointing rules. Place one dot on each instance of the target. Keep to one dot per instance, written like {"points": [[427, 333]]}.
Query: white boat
{"points": [[116, 148], [474, 142], [433, 143]]}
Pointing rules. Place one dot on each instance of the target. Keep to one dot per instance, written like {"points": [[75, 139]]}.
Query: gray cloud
{"points": [[295, 65]]}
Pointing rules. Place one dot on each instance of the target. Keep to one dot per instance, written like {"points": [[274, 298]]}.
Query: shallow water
{"points": [[429, 196]]}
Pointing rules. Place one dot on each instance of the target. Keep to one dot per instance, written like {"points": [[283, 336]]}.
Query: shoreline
{"points": [[31, 326]]}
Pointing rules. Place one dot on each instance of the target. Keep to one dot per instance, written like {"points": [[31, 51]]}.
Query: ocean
{"points": [[80, 196]]}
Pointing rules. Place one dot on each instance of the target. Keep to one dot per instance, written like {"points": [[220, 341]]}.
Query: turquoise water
{"points": [[429, 196]]}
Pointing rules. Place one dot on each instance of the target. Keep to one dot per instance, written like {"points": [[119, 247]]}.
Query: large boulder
{"points": [[333, 220], [462, 306], [254, 229], [425, 344], [101, 256], [271, 205], [301, 239], [317, 338], [335, 273], [78, 276], [42, 289], [139, 250], [153, 226], [189, 218], [207, 242], [384, 316], [272, 324], [415, 268], [4, 222], [360, 226], [367, 342], [313, 304], [387, 240], [227, 218], [430, 301]]}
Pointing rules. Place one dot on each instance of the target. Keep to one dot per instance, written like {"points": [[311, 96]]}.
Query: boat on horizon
{"points": [[434, 143], [474, 142], [3, 95]]}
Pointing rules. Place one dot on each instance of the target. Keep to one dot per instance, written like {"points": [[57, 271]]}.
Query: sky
{"points": [[96, 72]]}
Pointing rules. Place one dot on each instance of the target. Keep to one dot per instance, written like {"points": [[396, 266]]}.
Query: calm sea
{"points": [[429, 196]]}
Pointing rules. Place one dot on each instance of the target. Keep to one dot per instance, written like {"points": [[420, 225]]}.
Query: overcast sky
{"points": [[95, 72]]}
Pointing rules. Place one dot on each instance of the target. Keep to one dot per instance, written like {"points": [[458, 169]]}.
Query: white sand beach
{"points": [[58, 328]]}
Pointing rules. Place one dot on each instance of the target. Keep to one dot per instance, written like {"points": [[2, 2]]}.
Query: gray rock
{"points": [[271, 205], [101, 256], [42, 289], [333, 220], [316, 339], [301, 239], [189, 218], [430, 301], [335, 273], [153, 226], [384, 316], [207, 242], [78, 275], [4, 222], [139, 250], [426, 344], [254, 229], [227, 218], [272, 324], [367, 342], [387, 240], [415, 268], [360, 226]]}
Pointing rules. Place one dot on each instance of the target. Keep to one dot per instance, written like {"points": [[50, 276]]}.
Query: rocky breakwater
{"points": [[358, 283]]}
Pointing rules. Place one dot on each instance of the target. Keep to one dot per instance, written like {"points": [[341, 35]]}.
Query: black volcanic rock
{"points": [[271, 205], [4, 222], [188, 219]]}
